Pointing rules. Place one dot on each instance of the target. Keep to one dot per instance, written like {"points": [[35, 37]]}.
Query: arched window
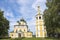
{"points": [[40, 17], [20, 31], [24, 30], [16, 31], [12, 34], [36, 17]]}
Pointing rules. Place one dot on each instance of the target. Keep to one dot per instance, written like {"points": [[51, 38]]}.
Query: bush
{"points": [[20, 38], [5, 37]]}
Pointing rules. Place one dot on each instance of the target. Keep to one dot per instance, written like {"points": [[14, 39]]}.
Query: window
{"points": [[20, 30], [39, 17], [36, 17], [30, 34], [12, 34], [24, 30], [16, 31]]}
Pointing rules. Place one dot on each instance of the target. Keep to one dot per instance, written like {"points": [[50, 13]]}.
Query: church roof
{"points": [[38, 14], [22, 20], [21, 25]]}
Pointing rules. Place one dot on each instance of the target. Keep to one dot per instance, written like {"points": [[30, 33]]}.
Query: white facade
{"points": [[40, 28]]}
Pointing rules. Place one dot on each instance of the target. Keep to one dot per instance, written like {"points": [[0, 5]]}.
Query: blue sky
{"points": [[14, 10]]}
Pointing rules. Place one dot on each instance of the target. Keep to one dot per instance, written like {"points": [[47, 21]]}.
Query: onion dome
{"points": [[22, 20]]}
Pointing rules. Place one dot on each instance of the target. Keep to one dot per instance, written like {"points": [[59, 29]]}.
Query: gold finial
{"points": [[38, 6], [38, 9]]}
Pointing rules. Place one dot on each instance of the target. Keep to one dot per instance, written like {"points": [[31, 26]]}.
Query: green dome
{"points": [[22, 20]]}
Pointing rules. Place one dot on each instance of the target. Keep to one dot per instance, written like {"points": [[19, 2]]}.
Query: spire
{"points": [[38, 8]]}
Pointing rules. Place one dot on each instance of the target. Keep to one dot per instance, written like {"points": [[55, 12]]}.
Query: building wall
{"points": [[28, 34], [22, 23], [20, 28], [13, 35], [40, 28]]}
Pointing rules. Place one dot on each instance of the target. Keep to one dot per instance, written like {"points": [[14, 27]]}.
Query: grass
{"points": [[32, 39]]}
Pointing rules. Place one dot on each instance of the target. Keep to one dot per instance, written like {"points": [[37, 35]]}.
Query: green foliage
{"points": [[52, 16], [4, 25]]}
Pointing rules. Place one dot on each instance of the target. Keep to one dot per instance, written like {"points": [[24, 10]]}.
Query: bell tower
{"points": [[40, 30]]}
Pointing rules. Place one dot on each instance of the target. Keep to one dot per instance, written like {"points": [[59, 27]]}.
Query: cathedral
{"points": [[21, 28]]}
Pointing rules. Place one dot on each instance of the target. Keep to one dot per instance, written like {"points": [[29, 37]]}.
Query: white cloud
{"points": [[22, 2], [27, 11], [31, 24], [38, 3], [7, 13]]}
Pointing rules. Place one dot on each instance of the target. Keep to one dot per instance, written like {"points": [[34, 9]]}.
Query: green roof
{"points": [[22, 20]]}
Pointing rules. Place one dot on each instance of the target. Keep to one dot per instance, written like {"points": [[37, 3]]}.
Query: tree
{"points": [[52, 17], [4, 25]]}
